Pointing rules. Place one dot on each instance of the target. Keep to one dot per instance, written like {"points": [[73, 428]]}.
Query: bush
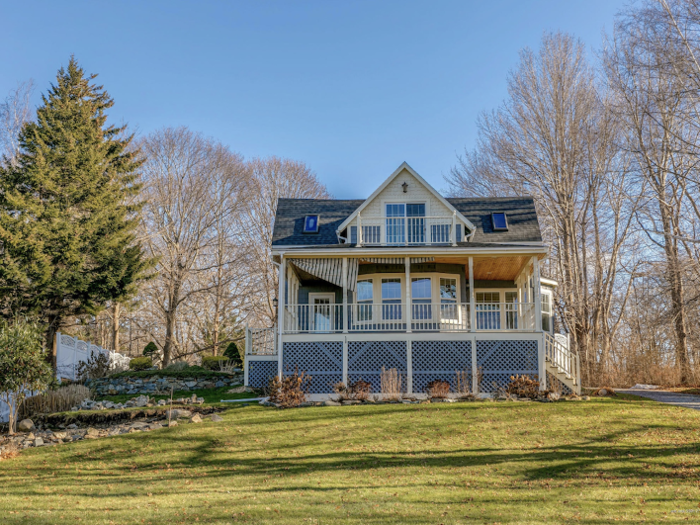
{"points": [[97, 366], [140, 363], [359, 390], [194, 372], [234, 355], [23, 366], [290, 391], [391, 382], [150, 350], [438, 389], [177, 366], [214, 362], [59, 400]]}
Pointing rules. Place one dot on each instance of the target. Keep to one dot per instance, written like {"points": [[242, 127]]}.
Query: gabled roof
{"points": [[405, 166], [523, 226]]}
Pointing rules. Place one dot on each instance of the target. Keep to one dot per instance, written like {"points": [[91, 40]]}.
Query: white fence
{"points": [[70, 351]]}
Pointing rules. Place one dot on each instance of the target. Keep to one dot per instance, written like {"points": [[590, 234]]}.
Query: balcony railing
{"points": [[405, 231], [393, 317]]}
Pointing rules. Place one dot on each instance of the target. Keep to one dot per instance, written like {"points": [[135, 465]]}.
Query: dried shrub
{"points": [[605, 391], [523, 386], [290, 391], [438, 389], [51, 401], [359, 390], [96, 367], [391, 382], [9, 450], [463, 380]]}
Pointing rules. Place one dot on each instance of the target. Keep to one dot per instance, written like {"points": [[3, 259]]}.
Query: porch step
{"points": [[562, 376]]}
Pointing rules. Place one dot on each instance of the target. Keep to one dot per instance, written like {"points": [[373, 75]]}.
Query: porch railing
{"points": [[393, 317], [557, 353], [405, 231], [261, 341]]}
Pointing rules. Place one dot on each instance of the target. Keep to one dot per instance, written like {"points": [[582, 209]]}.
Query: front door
{"points": [[322, 318]]}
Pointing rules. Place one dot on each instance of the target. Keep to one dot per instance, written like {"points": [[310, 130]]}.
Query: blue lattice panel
{"points": [[260, 373], [501, 359], [322, 360], [366, 359], [433, 360]]}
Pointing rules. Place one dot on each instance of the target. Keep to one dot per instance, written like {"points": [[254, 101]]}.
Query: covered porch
{"points": [[455, 293]]}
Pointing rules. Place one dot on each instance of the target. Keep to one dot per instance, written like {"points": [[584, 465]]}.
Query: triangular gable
{"points": [[420, 180]]}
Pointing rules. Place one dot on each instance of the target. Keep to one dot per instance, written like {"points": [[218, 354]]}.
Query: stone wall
{"points": [[159, 385]]}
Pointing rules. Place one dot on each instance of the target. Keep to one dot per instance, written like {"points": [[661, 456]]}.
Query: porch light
{"points": [[405, 187], [275, 302]]}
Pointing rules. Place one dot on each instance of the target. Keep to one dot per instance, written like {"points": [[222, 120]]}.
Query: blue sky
{"points": [[350, 88]]}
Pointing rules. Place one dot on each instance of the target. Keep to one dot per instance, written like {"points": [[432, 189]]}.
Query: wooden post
{"points": [[345, 295], [409, 367], [281, 302], [409, 310], [359, 229], [537, 294], [454, 229], [472, 297]]}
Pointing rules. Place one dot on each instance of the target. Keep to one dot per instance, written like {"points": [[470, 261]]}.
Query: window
{"points": [[547, 311], [399, 218], [500, 222], [370, 234], [365, 297], [448, 299], [310, 224], [511, 308], [488, 311], [421, 296], [391, 299]]}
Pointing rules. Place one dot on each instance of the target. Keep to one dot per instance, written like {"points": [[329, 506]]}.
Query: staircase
{"points": [[562, 363]]}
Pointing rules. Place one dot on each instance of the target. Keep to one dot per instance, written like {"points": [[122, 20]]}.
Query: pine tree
{"points": [[69, 210]]}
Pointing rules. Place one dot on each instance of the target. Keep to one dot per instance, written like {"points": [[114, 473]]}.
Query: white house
{"points": [[411, 280]]}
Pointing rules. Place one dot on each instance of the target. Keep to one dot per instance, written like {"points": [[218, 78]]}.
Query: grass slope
{"points": [[210, 395], [604, 461]]}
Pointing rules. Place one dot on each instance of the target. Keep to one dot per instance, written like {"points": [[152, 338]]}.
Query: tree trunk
{"points": [[170, 320], [51, 346], [116, 317]]}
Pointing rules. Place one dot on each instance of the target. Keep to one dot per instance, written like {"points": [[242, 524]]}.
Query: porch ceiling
{"points": [[505, 268]]}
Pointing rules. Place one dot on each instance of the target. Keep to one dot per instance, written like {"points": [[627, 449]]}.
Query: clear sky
{"points": [[352, 88]]}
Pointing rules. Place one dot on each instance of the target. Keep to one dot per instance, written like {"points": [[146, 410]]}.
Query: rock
{"points": [[177, 412], [586, 398], [60, 435], [25, 425], [92, 433], [141, 401], [191, 384], [554, 396], [240, 390], [162, 402], [350, 402], [172, 424], [196, 419], [216, 418], [200, 400], [193, 399], [220, 384], [72, 426], [602, 392], [331, 403], [38, 442], [155, 425]]}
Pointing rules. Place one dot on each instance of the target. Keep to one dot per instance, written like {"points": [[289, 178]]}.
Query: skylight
{"points": [[500, 222], [310, 224]]}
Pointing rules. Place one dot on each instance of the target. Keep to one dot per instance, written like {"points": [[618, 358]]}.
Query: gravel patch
{"points": [[664, 396]]}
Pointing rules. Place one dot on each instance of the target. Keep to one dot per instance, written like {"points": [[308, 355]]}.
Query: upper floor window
{"points": [[405, 222], [310, 224], [500, 221]]}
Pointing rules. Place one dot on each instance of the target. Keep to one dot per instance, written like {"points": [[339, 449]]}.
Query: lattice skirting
{"points": [[500, 360], [260, 373], [366, 359], [433, 360], [323, 361], [557, 386]]}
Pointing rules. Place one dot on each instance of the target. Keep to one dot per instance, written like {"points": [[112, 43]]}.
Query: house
{"points": [[408, 279]]}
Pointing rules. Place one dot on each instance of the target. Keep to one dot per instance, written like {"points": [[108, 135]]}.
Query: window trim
{"points": [[505, 220]]}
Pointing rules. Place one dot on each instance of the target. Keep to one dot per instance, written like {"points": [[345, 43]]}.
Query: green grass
{"points": [[210, 395], [613, 460]]}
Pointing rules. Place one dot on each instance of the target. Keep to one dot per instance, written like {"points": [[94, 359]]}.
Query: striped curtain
{"points": [[396, 260], [330, 270]]}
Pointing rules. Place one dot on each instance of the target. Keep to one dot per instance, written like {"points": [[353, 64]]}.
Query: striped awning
{"points": [[330, 270], [396, 260]]}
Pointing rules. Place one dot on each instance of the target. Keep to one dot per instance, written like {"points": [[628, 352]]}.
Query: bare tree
{"points": [[15, 111], [555, 138], [192, 185], [272, 178]]}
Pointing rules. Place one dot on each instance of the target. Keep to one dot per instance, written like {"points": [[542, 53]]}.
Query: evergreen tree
{"points": [[150, 349], [68, 209]]}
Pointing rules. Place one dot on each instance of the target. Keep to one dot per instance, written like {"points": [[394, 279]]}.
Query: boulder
{"points": [[220, 384], [196, 419], [38, 442], [177, 412], [141, 401], [331, 403], [26, 425], [216, 418], [172, 424]]}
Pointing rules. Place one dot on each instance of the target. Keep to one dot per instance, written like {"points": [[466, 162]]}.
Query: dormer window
{"points": [[500, 221], [310, 224]]}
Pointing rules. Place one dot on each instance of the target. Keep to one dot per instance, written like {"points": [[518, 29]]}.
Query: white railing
{"points": [[405, 231], [393, 317], [71, 351], [505, 316], [261, 341], [558, 354]]}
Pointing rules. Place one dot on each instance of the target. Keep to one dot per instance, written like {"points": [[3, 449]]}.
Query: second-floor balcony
{"points": [[405, 231], [399, 317]]}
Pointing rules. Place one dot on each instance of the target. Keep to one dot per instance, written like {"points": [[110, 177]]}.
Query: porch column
{"points": [[281, 303], [409, 310], [345, 295], [538, 295], [472, 297]]}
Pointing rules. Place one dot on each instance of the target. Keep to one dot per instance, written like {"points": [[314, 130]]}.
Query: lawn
{"points": [[619, 460]]}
